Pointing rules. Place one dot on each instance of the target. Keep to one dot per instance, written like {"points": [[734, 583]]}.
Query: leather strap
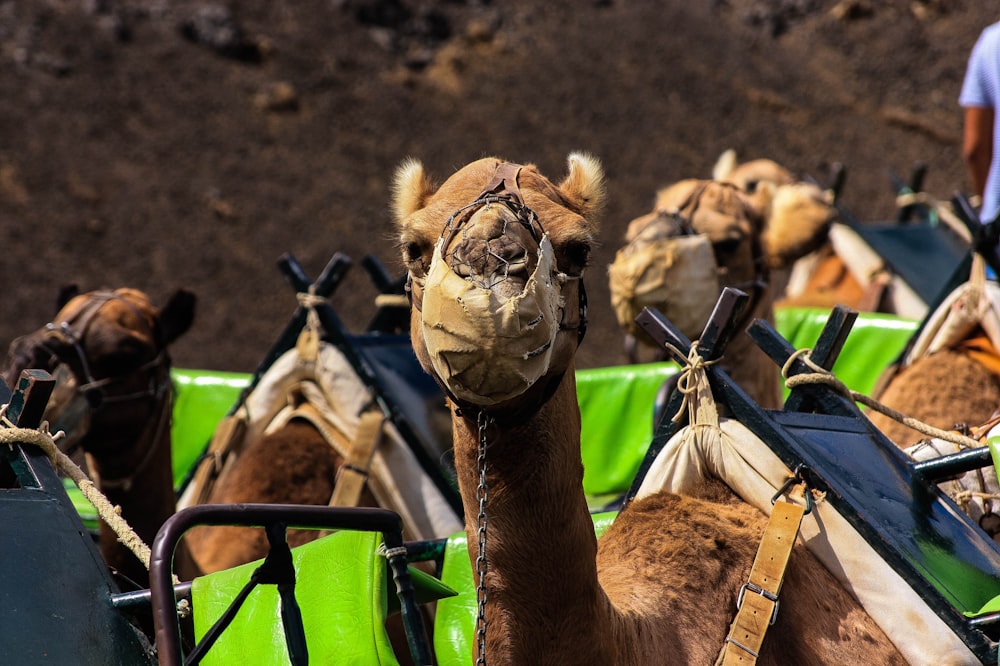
{"points": [[353, 474], [757, 603], [227, 438]]}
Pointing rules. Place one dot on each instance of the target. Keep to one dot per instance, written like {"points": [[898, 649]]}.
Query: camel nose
{"points": [[494, 250]]}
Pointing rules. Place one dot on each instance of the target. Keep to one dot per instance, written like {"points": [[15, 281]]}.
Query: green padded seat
{"points": [[616, 407], [875, 342], [455, 622], [344, 589], [201, 399]]}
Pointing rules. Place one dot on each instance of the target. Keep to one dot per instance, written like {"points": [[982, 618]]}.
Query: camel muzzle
{"points": [[484, 347]]}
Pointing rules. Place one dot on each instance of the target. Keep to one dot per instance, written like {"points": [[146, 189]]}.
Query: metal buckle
{"points": [[762, 592], [797, 477]]}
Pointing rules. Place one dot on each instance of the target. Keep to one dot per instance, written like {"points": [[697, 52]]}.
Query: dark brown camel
{"points": [[114, 345], [496, 256]]}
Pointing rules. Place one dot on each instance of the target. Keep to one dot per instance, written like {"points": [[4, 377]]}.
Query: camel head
{"points": [[108, 353], [797, 213], [702, 235], [495, 258]]}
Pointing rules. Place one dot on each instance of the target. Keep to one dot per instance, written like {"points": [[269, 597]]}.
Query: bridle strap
{"points": [[67, 333], [125, 483]]}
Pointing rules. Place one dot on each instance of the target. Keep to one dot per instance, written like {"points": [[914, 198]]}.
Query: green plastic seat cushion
{"points": [[341, 588], [616, 407]]}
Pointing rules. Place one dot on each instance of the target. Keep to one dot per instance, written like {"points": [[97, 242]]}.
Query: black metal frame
{"points": [[892, 502], [350, 345], [277, 518]]}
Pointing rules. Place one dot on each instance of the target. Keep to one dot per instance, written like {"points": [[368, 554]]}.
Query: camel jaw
{"points": [[484, 348]]}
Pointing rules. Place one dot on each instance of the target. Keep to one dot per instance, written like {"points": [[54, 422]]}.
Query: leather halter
{"points": [[64, 331], [502, 189]]}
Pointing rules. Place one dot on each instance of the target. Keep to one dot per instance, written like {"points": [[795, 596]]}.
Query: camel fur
{"points": [[659, 586], [103, 392]]}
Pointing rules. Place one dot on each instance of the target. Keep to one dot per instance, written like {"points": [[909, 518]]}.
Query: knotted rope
{"points": [[687, 381], [109, 513], [820, 375]]}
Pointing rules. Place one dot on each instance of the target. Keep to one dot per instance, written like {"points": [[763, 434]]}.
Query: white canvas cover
{"points": [[330, 385]]}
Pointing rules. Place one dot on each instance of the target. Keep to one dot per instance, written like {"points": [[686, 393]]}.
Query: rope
{"points": [[942, 211], [109, 513], [390, 553], [823, 376], [687, 382], [310, 300]]}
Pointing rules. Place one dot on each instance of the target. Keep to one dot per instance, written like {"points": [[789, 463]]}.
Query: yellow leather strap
{"points": [[227, 438], [757, 604], [353, 473]]}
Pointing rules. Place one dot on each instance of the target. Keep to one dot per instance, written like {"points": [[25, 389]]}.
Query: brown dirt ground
{"points": [[164, 144]]}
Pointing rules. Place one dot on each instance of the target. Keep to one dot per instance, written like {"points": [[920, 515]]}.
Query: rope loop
{"points": [[820, 375], [10, 434], [687, 381]]}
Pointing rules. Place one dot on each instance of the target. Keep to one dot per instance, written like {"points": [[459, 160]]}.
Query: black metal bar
{"points": [[824, 354], [27, 403], [808, 397], [717, 332], [261, 515], [141, 600], [916, 184], [952, 465], [378, 274]]}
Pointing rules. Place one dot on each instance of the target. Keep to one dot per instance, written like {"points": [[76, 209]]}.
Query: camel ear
{"points": [[177, 315], [583, 187], [410, 189], [724, 165], [66, 293]]}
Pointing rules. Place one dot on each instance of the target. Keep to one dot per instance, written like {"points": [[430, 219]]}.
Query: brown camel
{"points": [[496, 257], [819, 277], [115, 402], [703, 235], [950, 375]]}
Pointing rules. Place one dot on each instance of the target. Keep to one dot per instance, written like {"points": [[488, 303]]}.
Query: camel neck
{"points": [[138, 478], [540, 546]]}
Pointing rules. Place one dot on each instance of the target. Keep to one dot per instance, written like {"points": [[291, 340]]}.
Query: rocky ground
{"points": [[189, 144]]}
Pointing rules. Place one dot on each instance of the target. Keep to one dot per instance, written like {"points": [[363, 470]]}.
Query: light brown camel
{"points": [[949, 376], [844, 269], [703, 235], [819, 277], [496, 256], [115, 402]]}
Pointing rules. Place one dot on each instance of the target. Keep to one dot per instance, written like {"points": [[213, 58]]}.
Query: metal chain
{"points": [[482, 492]]}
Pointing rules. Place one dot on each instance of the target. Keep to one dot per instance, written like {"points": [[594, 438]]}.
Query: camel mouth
{"points": [[675, 274], [488, 346]]}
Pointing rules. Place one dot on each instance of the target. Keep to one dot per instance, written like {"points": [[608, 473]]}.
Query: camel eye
{"points": [[727, 246], [576, 255], [416, 257]]}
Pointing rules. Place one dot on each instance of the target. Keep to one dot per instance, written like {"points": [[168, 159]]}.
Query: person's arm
{"points": [[977, 145]]}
